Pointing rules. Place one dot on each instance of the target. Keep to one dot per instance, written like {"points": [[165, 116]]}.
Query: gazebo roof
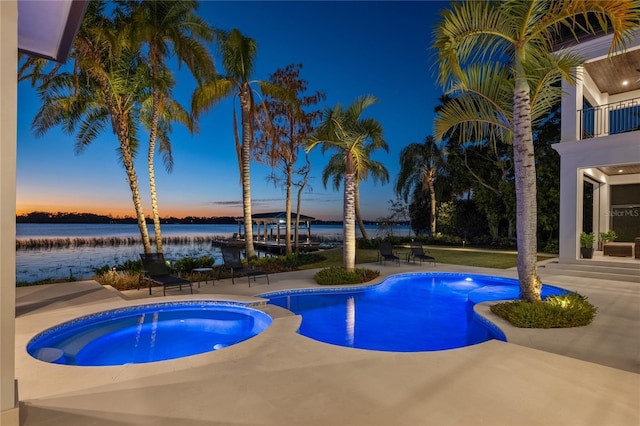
{"points": [[276, 217]]}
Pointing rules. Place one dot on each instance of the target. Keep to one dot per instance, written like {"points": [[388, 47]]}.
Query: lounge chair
{"points": [[417, 252], [386, 253], [232, 262], [156, 272]]}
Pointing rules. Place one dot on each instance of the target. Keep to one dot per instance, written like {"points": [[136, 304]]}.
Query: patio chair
{"points": [[385, 252], [417, 252], [232, 262], [156, 271]]}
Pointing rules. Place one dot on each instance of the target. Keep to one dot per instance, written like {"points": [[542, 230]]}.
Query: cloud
{"points": [[224, 203], [323, 198]]}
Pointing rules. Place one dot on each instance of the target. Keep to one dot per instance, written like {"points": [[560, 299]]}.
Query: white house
{"points": [[600, 146]]}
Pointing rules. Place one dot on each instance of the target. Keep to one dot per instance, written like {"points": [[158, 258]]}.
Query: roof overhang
{"points": [[613, 72], [47, 28], [275, 217]]}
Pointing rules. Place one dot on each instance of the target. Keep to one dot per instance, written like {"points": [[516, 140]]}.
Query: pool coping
{"points": [[282, 318]]}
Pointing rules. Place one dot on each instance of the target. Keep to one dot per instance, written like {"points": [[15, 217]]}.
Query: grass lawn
{"points": [[443, 255]]}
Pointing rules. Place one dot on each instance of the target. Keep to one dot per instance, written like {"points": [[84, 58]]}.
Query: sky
{"points": [[347, 49]]}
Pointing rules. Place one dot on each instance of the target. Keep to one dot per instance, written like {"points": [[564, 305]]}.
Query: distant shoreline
{"points": [[90, 218]]}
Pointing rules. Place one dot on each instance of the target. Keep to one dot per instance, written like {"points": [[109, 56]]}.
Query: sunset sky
{"points": [[347, 49]]}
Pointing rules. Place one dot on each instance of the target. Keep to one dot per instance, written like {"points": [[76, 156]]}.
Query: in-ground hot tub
{"points": [[148, 333]]}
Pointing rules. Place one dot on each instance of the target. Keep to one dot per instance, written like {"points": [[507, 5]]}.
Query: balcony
{"points": [[610, 119]]}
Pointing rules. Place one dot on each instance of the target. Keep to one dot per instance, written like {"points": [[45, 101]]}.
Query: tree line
{"points": [[467, 190], [63, 217]]}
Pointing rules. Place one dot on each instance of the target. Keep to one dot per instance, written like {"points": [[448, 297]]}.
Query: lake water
{"points": [[80, 262]]}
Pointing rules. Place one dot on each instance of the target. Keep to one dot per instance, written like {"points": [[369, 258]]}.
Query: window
{"points": [[624, 213]]}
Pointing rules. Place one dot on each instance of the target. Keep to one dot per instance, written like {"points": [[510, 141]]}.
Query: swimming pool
{"points": [[405, 313], [148, 333]]}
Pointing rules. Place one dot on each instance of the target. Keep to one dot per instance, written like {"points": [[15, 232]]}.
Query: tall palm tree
{"points": [[104, 87], [168, 29], [498, 57], [347, 132], [335, 169], [238, 60], [420, 166]]}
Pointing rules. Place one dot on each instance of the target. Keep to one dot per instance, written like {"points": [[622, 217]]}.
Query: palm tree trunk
{"points": [[245, 104], [153, 134], [127, 160], [525, 183], [432, 193], [363, 231], [349, 225], [493, 222]]}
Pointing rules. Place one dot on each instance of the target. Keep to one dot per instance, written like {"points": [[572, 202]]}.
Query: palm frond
{"points": [[211, 93], [468, 32], [92, 125], [335, 169], [475, 118], [164, 146], [237, 52]]}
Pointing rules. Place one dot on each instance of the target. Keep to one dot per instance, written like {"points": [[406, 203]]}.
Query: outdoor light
{"points": [[625, 82], [620, 171]]}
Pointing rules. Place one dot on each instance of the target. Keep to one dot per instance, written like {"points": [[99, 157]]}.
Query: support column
{"points": [[8, 123], [570, 129]]}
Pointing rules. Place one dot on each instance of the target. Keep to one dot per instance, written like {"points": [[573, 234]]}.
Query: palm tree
{"points": [[335, 169], [104, 88], [349, 133], [420, 166], [498, 59], [238, 59], [168, 28]]}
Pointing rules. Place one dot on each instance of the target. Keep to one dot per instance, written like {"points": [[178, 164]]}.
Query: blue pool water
{"points": [[405, 313], [147, 333]]}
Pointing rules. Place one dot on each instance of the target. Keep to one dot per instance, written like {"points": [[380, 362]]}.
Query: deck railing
{"points": [[610, 119]]}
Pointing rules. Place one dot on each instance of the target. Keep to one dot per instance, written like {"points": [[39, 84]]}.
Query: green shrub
{"points": [[187, 264], [445, 240], [337, 275], [371, 243], [608, 236], [568, 310], [586, 240], [131, 266], [101, 270], [551, 247], [285, 263]]}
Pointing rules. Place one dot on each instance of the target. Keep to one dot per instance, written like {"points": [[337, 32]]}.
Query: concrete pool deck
{"points": [[587, 376]]}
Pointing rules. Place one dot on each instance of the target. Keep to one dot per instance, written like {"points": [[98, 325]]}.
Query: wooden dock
{"points": [[268, 246]]}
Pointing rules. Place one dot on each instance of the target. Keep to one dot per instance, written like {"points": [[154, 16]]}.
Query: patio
{"points": [[585, 375]]}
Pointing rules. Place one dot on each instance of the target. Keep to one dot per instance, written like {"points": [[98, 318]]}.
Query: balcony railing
{"points": [[610, 119]]}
